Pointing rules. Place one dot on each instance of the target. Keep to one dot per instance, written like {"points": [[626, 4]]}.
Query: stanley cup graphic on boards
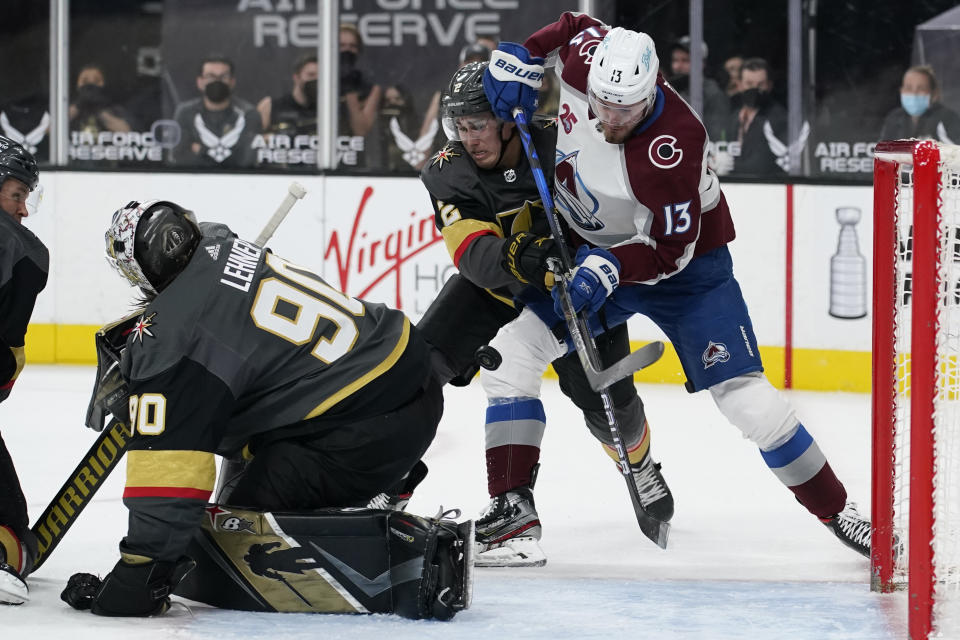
{"points": [[848, 269]]}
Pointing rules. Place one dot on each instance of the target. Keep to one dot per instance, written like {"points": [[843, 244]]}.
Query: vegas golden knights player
{"points": [[489, 211], [331, 397], [24, 263]]}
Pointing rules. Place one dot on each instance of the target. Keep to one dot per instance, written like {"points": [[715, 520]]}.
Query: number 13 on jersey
{"points": [[676, 218], [295, 315]]}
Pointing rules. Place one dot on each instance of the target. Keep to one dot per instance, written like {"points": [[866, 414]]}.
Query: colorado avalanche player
{"points": [[653, 224]]}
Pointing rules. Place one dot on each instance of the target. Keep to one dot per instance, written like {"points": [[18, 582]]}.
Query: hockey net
{"points": [[916, 381]]}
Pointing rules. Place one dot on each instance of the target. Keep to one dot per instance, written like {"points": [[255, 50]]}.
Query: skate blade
{"points": [[13, 590], [516, 552], [469, 562]]}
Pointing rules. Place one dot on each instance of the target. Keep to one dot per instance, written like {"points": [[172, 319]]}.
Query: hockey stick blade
{"points": [[627, 366], [657, 530]]}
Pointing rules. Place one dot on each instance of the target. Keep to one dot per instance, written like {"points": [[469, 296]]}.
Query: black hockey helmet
{"points": [[464, 96], [17, 162], [151, 243]]}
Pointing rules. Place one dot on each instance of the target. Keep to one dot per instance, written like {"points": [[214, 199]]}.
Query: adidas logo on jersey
{"points": [[214, 251]]}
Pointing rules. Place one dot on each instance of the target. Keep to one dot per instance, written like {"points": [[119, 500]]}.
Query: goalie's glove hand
{"points": [[525, 258], [512, 79], [141, 589], [80, 591], [595, 277]]}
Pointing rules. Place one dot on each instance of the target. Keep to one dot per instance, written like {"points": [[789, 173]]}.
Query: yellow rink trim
{"points": [[813, 369]]}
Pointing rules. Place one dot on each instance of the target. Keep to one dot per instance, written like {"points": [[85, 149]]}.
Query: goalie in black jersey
{"points": [[24, 263], [489, 211], [332, 400]]}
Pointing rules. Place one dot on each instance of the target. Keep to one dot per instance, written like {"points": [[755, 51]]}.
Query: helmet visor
{"points": [[617, 115], [467, 127], [34, 200]]}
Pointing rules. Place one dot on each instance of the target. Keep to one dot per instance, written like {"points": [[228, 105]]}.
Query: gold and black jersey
{"points": [[475, 209], [241, 344], [24, 264]]}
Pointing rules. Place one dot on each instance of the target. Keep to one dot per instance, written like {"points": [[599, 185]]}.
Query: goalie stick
{"points": [[600, 379], [113, 441]]}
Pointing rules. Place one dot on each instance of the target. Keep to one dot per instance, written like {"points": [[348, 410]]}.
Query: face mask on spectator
{"points": [[680, 82], [348, 60], [92, 96], [754, 97], [217, 91], [915, 103], [310, 92]]}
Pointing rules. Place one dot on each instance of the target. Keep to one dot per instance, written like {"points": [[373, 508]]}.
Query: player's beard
{"points": [[616, 135]]}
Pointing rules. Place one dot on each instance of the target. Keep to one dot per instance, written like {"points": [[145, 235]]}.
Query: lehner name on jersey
{"points": [[241, 265]]}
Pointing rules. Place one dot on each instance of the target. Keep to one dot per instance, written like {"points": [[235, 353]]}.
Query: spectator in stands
{"points": [[91, 109], [217, 128], [26, 121], [475, 52], [359, 99], [716, 106], [760, 124], [732, 68], [295, 112], [920, 114], [405, 145]]}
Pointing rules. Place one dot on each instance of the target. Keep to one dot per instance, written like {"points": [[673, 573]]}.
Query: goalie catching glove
{"points": [[595, 277], [131, 589], [525, 258]]}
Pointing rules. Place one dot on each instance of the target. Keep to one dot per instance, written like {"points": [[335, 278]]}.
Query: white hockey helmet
{"points": [[622, 81]]}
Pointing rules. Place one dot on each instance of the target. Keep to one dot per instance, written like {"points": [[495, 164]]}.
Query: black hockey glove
{"points": [[128, 590], [525, 258]]}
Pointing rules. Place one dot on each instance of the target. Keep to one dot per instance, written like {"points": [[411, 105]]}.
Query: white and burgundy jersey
{"points": [[652, 200]]}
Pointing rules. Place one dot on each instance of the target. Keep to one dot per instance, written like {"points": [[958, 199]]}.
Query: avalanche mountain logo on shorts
{"points": [[573, 196], [716, 352]]}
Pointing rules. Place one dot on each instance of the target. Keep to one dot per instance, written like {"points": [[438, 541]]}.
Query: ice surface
{"points": [[744, 561]]}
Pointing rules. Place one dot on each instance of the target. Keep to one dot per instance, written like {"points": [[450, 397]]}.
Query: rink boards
{"points": [[374, 238]]}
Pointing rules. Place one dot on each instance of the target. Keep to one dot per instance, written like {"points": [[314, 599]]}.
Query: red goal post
{"points": [[916, 380]]}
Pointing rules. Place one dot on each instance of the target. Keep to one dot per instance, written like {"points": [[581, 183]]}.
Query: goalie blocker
{"points": [[332, 561]]}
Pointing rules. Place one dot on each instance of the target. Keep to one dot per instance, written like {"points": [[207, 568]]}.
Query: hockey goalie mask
{"points": [[149, 244], [622, 82]]}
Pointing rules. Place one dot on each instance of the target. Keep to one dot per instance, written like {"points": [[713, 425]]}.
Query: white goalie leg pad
{"points": [[527, 346], [13, 590], [755, 407], [515, 552]]}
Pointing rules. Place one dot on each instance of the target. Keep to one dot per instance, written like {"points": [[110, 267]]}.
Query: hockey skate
{"points": [[13, 587], [655, 495], [853, 530], [398, 497], [508, 532]]}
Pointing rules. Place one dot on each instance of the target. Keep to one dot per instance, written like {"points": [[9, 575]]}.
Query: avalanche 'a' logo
{"points": [[716, 352], [573, 197], [664, 152]]}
